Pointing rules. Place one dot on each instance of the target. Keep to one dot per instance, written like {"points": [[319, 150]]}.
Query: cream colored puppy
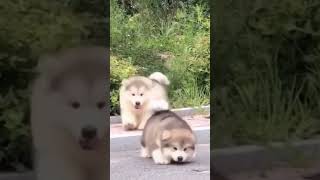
{"points": [[140, 97], [168, 138]]}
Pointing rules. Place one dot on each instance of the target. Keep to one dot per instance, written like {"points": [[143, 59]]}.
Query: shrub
{"points": [[264, 104], [174, 41]]}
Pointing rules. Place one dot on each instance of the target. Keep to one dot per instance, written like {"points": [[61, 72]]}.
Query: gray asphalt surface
{"points": [[133, 142], [127, 165]]}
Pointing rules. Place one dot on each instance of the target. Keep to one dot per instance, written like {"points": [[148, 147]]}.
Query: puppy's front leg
{"points": [[145, 152], [159, 158], [129, 121]]}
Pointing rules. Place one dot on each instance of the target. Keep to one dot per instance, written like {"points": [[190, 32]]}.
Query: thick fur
{"points": [[168, 138], [150, 92], [67, 96]]}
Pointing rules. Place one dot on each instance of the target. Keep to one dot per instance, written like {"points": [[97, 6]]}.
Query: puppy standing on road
{"points": [[140, 97], [68, 116], [166, 137]]}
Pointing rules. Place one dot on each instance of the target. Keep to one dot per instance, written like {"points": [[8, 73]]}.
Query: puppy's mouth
{"points": [[178, 162], [137, 107], [89, 144]]}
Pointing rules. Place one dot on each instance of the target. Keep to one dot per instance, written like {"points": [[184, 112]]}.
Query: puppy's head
{"points": [[136, 91], [76, 85], [178, 144]]}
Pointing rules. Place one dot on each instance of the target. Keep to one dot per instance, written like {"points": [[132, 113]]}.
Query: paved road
{"points": [[133, 142], [279, 173], [127, 165]]}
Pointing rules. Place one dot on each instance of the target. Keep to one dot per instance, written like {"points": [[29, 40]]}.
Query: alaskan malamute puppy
{"points": [[140, 97], [69, 116], [168, 138]]}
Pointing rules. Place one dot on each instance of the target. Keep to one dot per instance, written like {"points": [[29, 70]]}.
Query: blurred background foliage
{"points": [[266, 71]]}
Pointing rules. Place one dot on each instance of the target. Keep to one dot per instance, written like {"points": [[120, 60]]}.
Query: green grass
{"points": [[191, 96], [267, 72], [173, 41], [263, 111]]}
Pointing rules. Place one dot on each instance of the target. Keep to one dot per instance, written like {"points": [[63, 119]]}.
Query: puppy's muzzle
{"points": [[89, 138], [137, 105], [89, 132]]}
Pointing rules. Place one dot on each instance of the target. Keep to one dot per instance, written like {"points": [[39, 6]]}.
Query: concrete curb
{"points": [[244, 158], [181, 112]]}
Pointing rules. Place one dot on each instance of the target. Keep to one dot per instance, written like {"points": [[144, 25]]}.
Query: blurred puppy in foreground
{"points": [[68, 116], [168, 138]]}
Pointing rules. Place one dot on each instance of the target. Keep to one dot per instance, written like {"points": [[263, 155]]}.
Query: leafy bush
{"points": [[173, 40], [265, 87]]}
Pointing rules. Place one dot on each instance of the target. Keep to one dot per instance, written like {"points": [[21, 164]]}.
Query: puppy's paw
{"points": [[158, 157], [129, 126], [161, 161], [144, 153]]}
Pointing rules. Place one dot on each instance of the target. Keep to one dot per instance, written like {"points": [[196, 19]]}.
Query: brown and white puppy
{"points": [[140, 97], [166, 138], [68, 115]]}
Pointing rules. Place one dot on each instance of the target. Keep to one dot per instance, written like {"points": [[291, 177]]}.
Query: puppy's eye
{"points": [[133, 94], [101, 104], [141, 94], [185, 149], [174, 148], [75, 105]]}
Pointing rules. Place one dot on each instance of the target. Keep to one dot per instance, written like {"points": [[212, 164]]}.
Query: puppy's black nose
{"points": [[138, 103], [89, 132], [180, 158]]}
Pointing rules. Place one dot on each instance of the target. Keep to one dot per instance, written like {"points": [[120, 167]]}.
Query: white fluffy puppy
{"points": [[140, 97]]}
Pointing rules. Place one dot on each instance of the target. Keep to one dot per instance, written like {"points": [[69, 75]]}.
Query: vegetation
{"points": [[267, 71], [170, 38]]}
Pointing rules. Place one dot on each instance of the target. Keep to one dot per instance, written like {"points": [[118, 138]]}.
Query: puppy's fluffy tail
{"points": [[159, 77]]}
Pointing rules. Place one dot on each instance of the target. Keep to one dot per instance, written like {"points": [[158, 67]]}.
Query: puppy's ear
{"points": [[46, 64], [124, 82], [49, 67], [166, 135]]}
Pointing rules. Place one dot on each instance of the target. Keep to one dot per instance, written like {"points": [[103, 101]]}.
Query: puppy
{"points": [[68, 116], [168, 138], [140, 97]]}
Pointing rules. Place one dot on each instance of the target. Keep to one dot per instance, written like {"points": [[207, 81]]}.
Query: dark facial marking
{"points": [[101, 104], [75, 104]]}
